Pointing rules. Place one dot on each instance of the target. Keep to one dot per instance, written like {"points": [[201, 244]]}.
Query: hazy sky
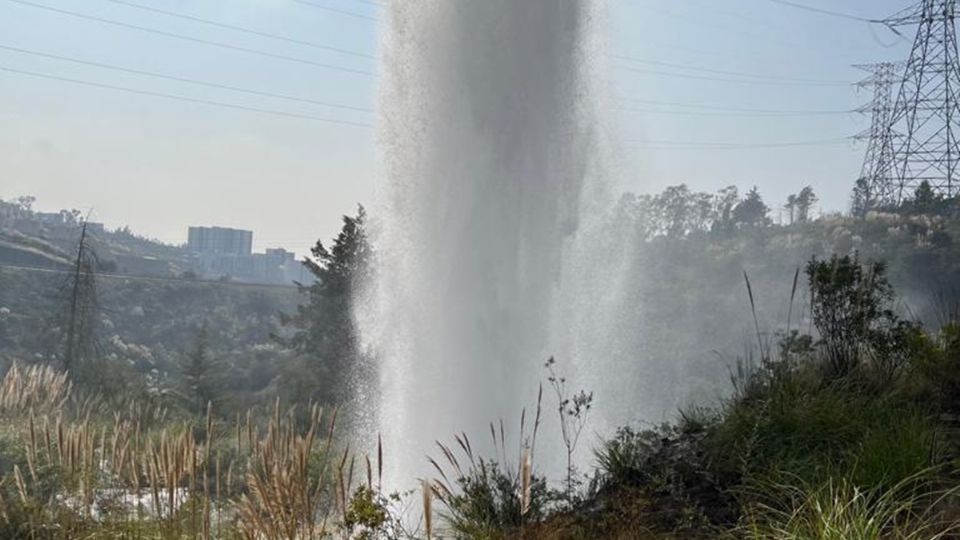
{"points": [[159, 165]]}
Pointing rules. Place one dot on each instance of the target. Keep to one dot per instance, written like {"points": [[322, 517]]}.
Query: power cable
{"points": [[734, 109], [723, 111], [829, 12], [191, 39], [723, 72], [335, 10], [183, 79], [241, 29], [721, 79], [727, 115], [184, 98], [692, 145]]}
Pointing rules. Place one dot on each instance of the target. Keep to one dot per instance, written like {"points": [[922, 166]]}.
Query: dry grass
{"points": [[39, 388], [286, 492], [86, 474]]}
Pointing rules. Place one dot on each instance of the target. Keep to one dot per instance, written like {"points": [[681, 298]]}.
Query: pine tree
{"points": [[924, 199], [751, 211], [199, 374], [324, 334]]}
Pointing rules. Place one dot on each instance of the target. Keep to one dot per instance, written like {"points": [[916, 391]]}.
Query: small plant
{"points": [[486, 498], [572, 411]]}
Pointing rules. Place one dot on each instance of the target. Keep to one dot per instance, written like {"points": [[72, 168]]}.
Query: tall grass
{"points": [[82, 474], [840, 510]]}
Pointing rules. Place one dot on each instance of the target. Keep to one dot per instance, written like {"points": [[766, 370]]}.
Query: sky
{"points": [[688, 77]]}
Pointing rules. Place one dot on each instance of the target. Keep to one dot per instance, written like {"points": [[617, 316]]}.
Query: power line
{"points": [[697, 145], [723, 111], [335, 10], [723, 72], [183, 79], [734, 109], [822, 11], [723, 79], [242, 29], [726, 115], [183, 98], [133, 277], [191, 39]]}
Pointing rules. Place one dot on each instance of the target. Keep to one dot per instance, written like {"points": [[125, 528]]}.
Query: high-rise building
{"points": [[220, 240]]}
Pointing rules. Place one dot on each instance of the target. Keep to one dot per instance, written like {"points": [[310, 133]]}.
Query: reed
{"points": [[39, 388]]}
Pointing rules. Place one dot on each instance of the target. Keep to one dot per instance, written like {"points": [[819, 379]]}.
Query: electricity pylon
{"points": [[874, 174], [925, 121]]}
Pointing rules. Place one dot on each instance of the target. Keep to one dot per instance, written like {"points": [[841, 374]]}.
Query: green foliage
{"points": [[488, 503], [199, 383], [751, 211], [852, 311], [369, 517], [924, 198], [323, 330]]}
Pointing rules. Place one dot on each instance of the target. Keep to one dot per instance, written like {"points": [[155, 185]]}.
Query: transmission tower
{"points": [[925, 121], [876, 169]]}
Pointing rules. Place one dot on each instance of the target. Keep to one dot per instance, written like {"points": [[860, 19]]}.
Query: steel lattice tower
{"points": [[925, 121], [880, 142]]}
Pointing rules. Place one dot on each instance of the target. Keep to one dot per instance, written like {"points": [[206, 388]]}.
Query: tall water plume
{"points": [[494, 152]]}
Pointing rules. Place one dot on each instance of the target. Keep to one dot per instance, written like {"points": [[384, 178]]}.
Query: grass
{"points": [[139, 474], [840, 510]]}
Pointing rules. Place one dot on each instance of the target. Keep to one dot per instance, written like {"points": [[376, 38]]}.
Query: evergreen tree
{"points": [[324, 334], [751, 211], [924, 198], [199, 374]]}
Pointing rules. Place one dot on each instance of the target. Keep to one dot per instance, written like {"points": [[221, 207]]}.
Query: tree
{"points": [[852, 311], [924, 198], [751, 211], [863, 200], [199, 374], [791, 206], [727, 199], [675, 210], [25, 203], [324, 334], [805, 201]]}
